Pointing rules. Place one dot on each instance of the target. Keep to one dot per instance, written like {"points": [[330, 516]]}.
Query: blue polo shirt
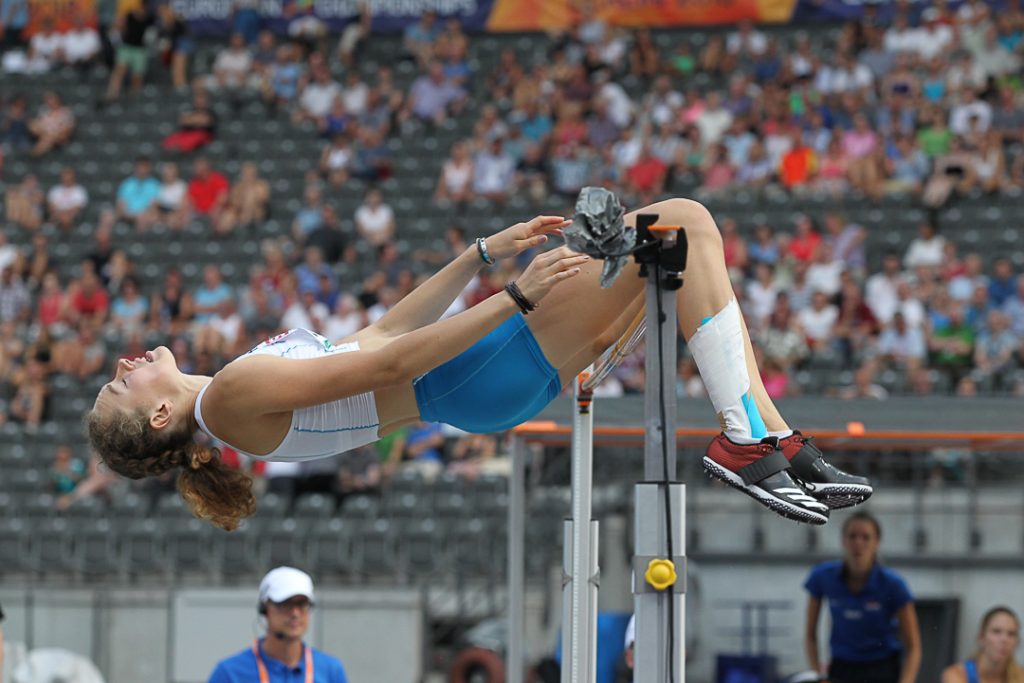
{"points": [[242, 668], [864, 626]]}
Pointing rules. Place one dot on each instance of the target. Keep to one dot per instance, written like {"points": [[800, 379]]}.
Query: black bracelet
{"points": [[524, 304], [481, 247]]}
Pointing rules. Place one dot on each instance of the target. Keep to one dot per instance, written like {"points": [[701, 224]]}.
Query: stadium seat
{"points": [[331, 548], [97, 547], [15, 547], [144, 548], [283, 542], [422, 548], [377, 551], [314, 505], [188, 546]]}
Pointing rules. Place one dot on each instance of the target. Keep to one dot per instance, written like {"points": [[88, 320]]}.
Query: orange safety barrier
{"points": [[855, 436]]}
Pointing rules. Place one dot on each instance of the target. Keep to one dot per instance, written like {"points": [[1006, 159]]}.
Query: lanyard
{"points": [[265, 678]]}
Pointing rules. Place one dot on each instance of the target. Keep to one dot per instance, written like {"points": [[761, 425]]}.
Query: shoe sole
{"points": [[839, 496], [780, 507]]}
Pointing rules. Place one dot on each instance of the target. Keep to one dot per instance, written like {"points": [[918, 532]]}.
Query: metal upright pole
{"points": [[579, 552], [659, 577], [514, 660]]}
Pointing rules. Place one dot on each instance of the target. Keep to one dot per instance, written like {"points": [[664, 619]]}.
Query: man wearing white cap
{"points": [[286, 596]]}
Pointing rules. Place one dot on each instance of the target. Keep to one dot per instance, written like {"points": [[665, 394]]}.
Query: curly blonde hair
{"points": [[213, 491]]}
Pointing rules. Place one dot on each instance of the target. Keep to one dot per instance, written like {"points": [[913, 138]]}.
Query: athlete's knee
{"points": [[695, 219]]}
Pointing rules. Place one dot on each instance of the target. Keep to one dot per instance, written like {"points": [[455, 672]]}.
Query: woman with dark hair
{"points": [[299, 396], [993, 660], [875, 638]]}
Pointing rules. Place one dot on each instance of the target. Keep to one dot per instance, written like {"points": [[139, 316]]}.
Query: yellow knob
{"points": [[661, 574]]}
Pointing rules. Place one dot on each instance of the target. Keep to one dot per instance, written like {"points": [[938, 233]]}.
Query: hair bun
{"points": [[199, 456]]}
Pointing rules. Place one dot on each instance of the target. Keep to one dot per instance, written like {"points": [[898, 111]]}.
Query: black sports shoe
{"points": [[762, 472], [827, 483]]}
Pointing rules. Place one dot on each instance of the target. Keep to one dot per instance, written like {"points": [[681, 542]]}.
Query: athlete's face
{"points": [[999, 638], [141, 383]]}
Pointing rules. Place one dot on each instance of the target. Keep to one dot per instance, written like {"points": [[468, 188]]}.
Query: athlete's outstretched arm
{"points": [[428, 302], [265, 384]]}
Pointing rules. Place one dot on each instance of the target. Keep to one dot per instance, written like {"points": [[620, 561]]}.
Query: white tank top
{"points": [[318, 431]]}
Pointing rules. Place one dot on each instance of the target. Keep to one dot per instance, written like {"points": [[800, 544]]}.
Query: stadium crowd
{"points": [[926, 107]]}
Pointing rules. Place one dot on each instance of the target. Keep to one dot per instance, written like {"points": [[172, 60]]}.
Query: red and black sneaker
{"points": [[762, 472], [827, 483]]}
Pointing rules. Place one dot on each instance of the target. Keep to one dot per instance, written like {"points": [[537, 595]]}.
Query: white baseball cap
{"points": [[285, 582], [630, 632]]}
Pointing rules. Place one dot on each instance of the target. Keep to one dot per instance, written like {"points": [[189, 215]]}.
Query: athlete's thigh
{"points": [[577, 311]]}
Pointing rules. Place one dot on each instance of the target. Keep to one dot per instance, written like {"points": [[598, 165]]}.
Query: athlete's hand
{"points": [[547, 270], [522, 236]]}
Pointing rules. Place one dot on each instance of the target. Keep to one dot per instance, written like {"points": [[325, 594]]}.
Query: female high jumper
{"points": [[299, 396]]}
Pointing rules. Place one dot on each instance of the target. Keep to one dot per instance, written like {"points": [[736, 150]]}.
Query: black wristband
{"points": [[481, 248], [524, 304]]}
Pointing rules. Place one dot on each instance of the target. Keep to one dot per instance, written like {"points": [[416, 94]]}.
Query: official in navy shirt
{"points": [[875, 638], [286, 596]]}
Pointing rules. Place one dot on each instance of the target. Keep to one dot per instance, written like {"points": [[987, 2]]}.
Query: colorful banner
{"points": [[541, 15], [63, 13], [213, 17], [880, 10]]}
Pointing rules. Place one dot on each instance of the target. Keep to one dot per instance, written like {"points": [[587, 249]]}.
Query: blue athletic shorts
{"points": [[501, 381]]}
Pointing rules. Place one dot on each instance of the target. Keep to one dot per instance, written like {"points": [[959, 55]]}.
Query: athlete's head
{"points": [[140, 426], [998, 639]]}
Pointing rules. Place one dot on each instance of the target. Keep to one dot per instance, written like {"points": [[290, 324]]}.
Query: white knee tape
{"points": [[717, 347]]}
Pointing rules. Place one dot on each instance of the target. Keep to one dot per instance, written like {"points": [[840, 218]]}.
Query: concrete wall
{"points": [[178, 636]]}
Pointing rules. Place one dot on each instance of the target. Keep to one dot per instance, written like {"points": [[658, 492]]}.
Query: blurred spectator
{"points": [[304, 310], [47, 44], [81, 44], [15, 300], [336, 160], [128, 311], [247, 202], [373, 159], [14, 125], [178, 46], [309, 217], [359, 471], [65, 201], [233, 68], [457, 172], [14, 16], [28, 406], [171, 206], [197, 127], [80, 354], [99, 482], [1001, 284], [54, 125], [493, 171], [171, 306], [283, 77], [355, 34], [432, 98], [246, 19], [424, 442], [65, 471], [419, 38], [316, 95], [473, 455], [994, 350], [375, 220], [137, 194], [951, 346], [89, 300], [817, 320], [926, 249], [24, 203], [132, 53], [208, 297], [208, 190]]}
